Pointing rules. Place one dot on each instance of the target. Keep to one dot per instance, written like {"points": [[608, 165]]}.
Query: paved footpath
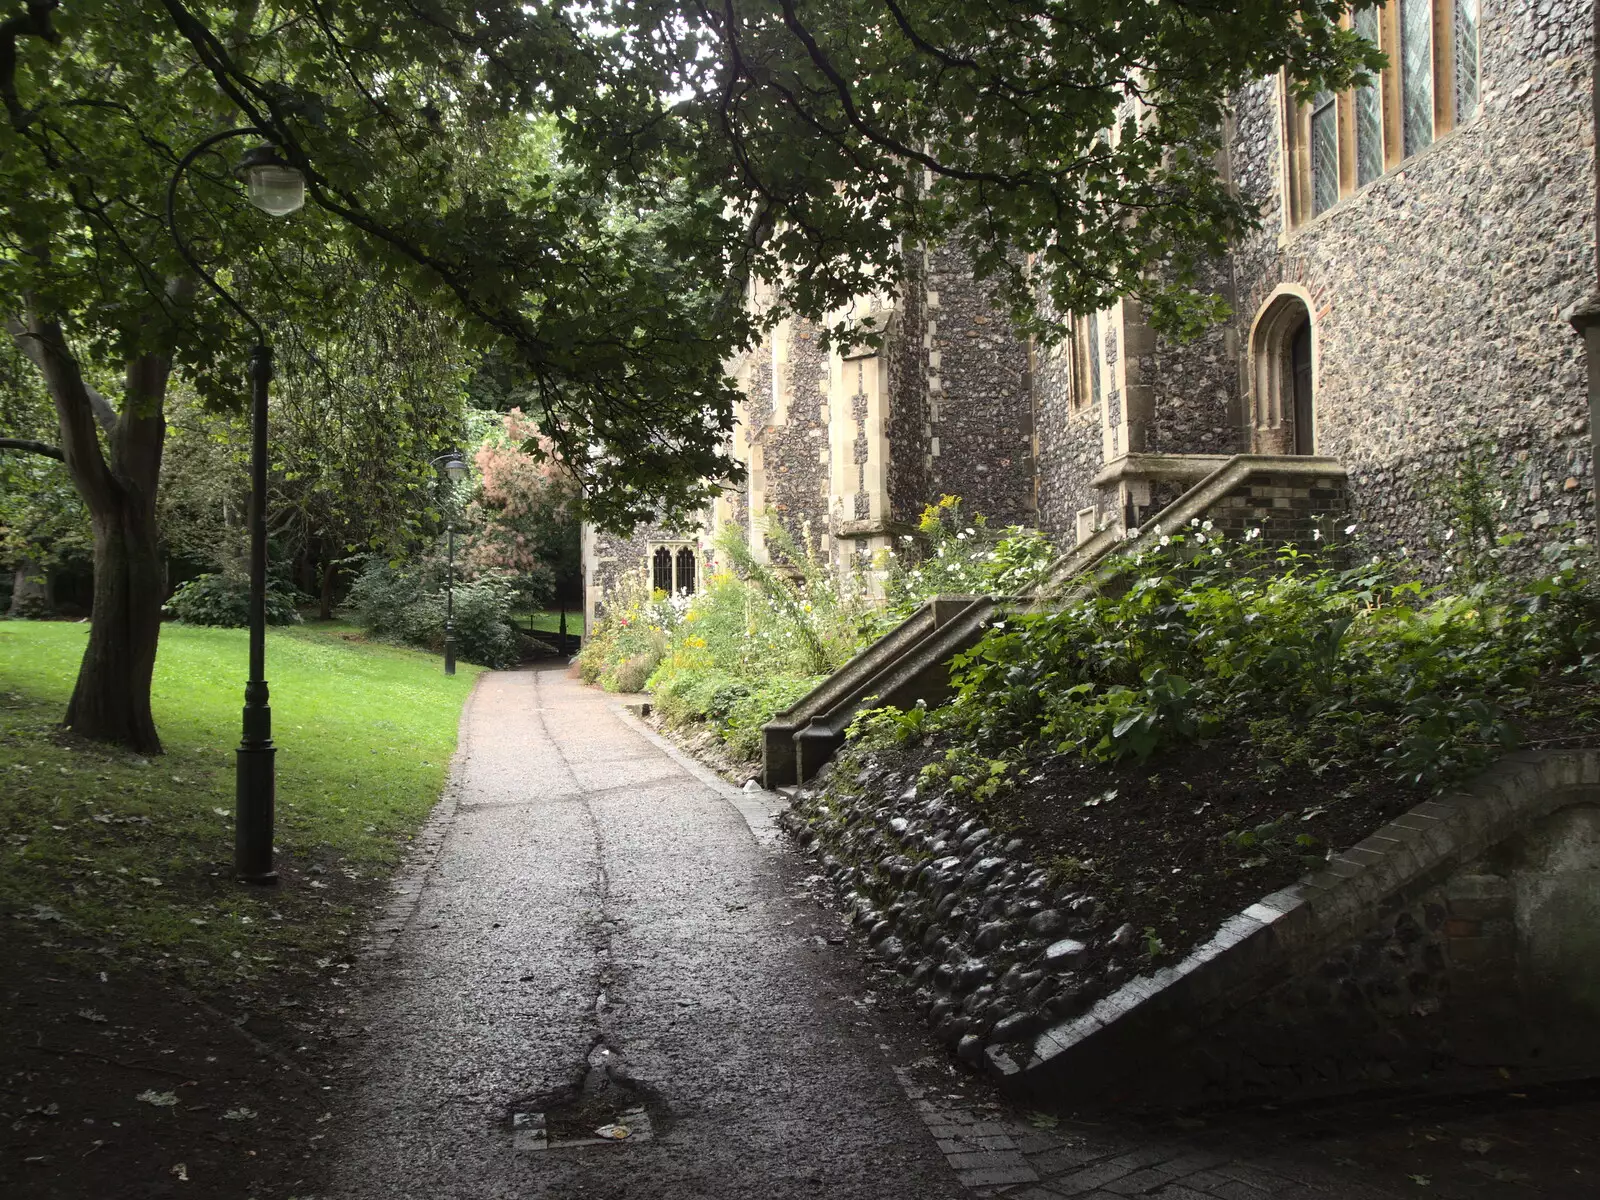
{"points": [[597, 903]]}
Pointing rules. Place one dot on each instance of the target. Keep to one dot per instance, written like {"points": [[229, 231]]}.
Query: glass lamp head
{"points": [[271, 184], [455, 467]]}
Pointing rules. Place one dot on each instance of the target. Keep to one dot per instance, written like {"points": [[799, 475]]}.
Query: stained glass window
{"points": [[1369, 110], [1416, 73], [1466, 37], [1093, 355], [1324, 153]]}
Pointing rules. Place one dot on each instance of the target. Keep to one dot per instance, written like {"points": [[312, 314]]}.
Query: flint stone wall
{"points": [[1459, 944], [1439, 292], [979, 392], [1071, 447]]}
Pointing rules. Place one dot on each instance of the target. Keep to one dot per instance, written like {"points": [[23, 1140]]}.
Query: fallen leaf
{"points": [[159, 1099], [239, 1114], [181, 1171]]}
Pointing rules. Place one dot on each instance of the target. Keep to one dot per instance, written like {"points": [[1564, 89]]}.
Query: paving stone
{"points": [[1091, 1178], [992, 1175], [977, 1159], [1036, 1141], [1067, 1158], [1140, 1182]]}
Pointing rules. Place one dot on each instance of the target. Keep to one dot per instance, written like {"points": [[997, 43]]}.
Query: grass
{"points": [[549, 621], [115, 854]]}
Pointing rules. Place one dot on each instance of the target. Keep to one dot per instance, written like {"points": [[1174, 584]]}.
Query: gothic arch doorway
{"points": [[1283, 377]]}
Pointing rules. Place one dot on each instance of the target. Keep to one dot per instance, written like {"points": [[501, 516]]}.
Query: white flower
{"points": [[1448, 534], [972, 531], [1200, 539], [1251, 535], [1349, 529], [1216, 550], [1166, 541], [1316, 535], [1194, 520], [1134, 532], [1206, 525]]}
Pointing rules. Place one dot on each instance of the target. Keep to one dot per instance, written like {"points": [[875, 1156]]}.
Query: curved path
{"points": [[592, 892]]}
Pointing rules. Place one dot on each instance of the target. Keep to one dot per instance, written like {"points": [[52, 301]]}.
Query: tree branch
{"points": [[104, 412], [29, 446]]}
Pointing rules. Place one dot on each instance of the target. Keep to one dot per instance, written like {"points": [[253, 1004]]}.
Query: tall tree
{"points": [[413, 143]]}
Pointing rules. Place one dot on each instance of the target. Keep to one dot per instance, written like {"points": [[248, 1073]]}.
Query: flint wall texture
{"points": [[1439, 291], [1070, 445], [979, 396]]}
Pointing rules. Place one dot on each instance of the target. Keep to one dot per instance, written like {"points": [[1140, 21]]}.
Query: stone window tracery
{"points": [[1089, 351], [1337, 144], [673, 568]]}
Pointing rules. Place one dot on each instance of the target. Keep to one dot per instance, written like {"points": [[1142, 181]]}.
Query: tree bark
{"points": [[111, 701], [330, 572]]}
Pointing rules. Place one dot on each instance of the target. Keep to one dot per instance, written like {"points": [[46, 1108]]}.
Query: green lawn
{"points": [[131, 856], [549, 621]]}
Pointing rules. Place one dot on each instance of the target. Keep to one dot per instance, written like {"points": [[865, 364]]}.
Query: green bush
{"points": [[762, 634], [1310, 660], [225, 600], [408, 605]]}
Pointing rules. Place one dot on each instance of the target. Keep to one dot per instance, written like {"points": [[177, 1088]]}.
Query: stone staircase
{"points": [[1288, 499]]}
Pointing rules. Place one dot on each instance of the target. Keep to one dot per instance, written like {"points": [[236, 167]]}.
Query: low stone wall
{"points": [[985, 941], [1459, 945]]}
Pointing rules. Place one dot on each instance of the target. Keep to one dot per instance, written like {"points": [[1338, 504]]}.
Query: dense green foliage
{"points": [[225, 600], [407, 604], [131, 855], [757, 637], [1295, 659]]}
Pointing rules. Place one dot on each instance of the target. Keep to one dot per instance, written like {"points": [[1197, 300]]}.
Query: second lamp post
{"points": [[453, 466]]}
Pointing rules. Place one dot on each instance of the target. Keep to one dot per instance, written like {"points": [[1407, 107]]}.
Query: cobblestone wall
{"points": [[1070, 446], [1439, 291], [979, 396], [1194, 386]]}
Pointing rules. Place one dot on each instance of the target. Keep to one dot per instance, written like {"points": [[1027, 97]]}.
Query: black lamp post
{"points": [[277, 189], [453, 466]]}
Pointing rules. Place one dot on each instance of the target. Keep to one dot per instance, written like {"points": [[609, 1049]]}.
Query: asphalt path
{"points": [[596, 900]]}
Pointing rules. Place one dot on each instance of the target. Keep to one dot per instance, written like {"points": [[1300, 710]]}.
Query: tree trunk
{"points": [[111, 702], [330, 572], [30, 591]]}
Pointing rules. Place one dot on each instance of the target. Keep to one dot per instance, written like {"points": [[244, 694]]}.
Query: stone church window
{"points": [[673, 569], [1086, 392], [1324, 154], [1466, 53], [1416, 73], [1368, 110], [1337, 144]]}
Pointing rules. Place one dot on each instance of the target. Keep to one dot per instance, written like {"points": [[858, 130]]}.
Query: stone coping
{"points": [[1188, 468], [1294, 928]]}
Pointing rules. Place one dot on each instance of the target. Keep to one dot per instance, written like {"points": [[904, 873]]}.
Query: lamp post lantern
{"points": [[453, 465], [278, 189]]}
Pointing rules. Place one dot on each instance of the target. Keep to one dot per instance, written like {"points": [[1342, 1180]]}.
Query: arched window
{"points": [[661, 570], [1283, 378], [685, 582]]}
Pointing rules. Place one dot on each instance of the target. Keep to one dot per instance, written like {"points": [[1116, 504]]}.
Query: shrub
{"points": [[958, 556], [408, 605], [1311, 660], [225, 600]]}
